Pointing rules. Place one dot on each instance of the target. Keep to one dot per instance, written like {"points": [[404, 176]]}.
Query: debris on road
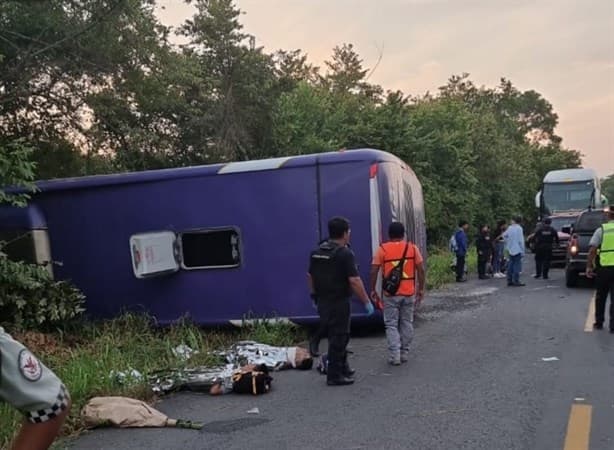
{"points": [[550, 358], [128, 377], [124, 412], [253, 411]]}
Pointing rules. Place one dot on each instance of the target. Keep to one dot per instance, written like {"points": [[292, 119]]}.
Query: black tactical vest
{"points": [[329, 281], [545, 236]]}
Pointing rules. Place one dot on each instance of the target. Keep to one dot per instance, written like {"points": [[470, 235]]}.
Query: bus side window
{"points": [[211, 248]]}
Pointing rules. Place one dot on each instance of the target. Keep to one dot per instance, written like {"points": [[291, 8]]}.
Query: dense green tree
{"points": [[58, 54], [94, 86]]}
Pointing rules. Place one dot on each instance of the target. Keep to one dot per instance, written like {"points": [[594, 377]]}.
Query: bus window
{"points": [[209, 249]]}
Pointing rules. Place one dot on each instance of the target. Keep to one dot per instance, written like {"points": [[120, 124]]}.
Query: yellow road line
{"points": [[579, 428], [590, 317]]}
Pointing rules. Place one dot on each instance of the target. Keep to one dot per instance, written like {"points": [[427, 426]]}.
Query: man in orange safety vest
{"points": [[403, 288]]}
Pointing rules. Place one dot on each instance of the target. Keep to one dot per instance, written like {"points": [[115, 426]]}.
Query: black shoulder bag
{"points": [[392, 282]]}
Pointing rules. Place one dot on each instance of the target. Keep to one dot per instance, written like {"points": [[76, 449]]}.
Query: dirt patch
{"points": [[43, 344]]}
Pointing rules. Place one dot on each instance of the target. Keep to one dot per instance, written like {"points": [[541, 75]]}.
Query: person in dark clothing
{"points": [[545, 237], [485, 248], [461, 250], [321, 331], [332, 278]]}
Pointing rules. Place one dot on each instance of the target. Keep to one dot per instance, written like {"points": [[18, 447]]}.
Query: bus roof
{"points": [[147, 176], [570, 175]]}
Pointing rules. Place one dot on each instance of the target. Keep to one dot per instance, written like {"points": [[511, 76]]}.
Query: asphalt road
{"points": [[476, 380]]}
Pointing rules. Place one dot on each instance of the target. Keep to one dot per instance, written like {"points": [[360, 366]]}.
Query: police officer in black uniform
{"points": [[333, 276], [545, 237]]}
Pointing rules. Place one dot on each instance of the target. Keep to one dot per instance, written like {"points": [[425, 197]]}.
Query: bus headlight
{"points": [[573, 250]]}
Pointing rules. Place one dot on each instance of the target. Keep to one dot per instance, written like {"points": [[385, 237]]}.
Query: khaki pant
{"points": [[399, 319]]}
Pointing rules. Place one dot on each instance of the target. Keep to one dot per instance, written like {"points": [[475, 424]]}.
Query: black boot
{"points": [[348, 372], [340, 381]]}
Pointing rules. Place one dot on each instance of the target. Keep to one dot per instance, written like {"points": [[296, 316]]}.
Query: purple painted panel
{"points": [[345, 192], [275, 212], [21, 218]]}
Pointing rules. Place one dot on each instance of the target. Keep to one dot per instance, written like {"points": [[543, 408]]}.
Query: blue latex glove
{"points": [[369, 308], [314, 301]]}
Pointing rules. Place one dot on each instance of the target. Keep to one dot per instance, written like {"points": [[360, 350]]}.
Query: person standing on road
{"points": [[601, 259], [461, 250], [497, 260], [399, 304], [332, 277], [485, 249], [514, 244], [545, 237], [33, 389], [320, 332]]}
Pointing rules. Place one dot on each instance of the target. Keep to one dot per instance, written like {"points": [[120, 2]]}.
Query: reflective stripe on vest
{"points": [[606, 250], [393, 254]]}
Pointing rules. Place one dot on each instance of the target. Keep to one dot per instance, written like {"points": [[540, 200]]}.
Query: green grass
{"points": [[438, 265], [83, 357]]}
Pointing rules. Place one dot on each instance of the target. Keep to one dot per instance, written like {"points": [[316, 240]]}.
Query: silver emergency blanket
{"points": [[251, 352], [199, 379], [242, 353]]}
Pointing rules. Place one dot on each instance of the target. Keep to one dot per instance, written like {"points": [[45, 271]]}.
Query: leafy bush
{"points": [[16, 169], [30, 298]]}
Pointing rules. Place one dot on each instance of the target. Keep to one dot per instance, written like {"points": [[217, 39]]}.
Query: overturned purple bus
{"points": [[218, 243]]}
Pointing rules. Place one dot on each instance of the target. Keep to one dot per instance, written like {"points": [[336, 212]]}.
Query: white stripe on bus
{"points": [[253, 166]]}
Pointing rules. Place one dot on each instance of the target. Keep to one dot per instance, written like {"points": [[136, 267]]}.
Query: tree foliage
{"points": [[96, 85], [16, 172]]}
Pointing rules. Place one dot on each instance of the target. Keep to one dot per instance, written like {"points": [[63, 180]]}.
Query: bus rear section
{"points": [[399, 194]]}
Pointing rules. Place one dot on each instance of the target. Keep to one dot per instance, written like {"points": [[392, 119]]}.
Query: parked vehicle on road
{"points": [[569, 190], [577, 251]]}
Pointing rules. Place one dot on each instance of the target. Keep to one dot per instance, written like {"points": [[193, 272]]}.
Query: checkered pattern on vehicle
{"points": [[44, 415]]}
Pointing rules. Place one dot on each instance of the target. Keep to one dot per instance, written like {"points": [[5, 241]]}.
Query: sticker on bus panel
{"points": [[154, 253]]}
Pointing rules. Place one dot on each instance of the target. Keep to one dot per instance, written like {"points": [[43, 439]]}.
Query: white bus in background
{"points": [[569, 190]]}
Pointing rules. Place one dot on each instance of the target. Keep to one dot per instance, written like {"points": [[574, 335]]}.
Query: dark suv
{"points": [[577, 251]]}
